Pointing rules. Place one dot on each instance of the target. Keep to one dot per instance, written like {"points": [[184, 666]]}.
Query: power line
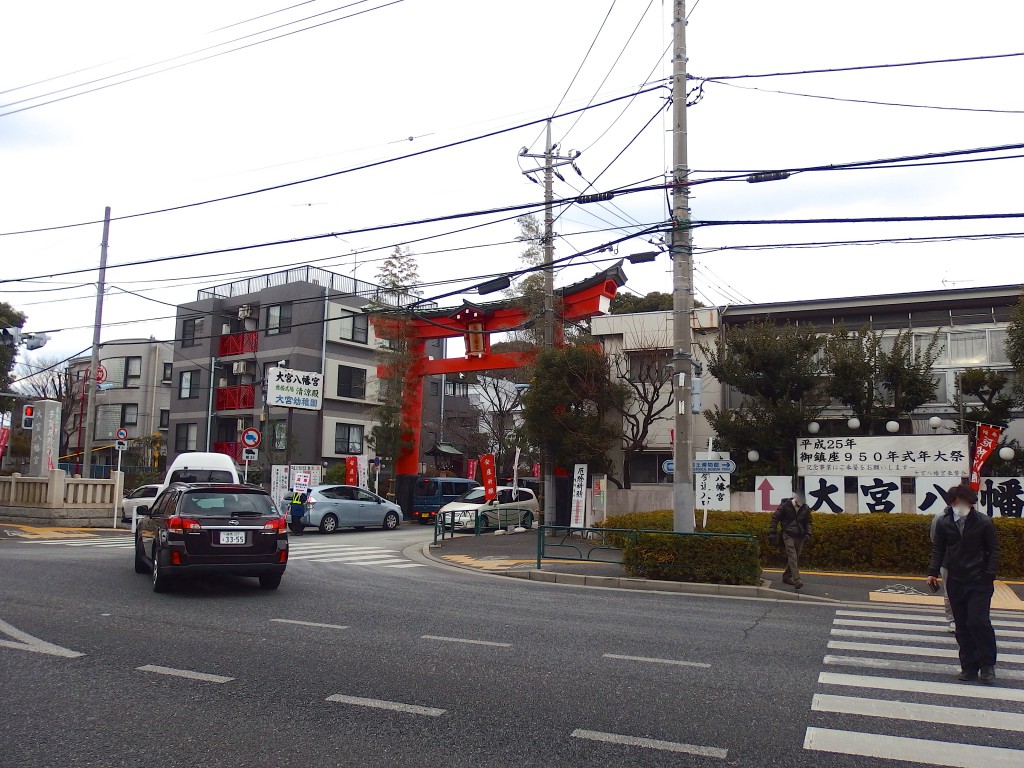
{"points": [[857, 220]]}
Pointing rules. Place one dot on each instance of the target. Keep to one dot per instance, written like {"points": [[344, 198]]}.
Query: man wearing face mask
{"points": [[966, 540], [794, 518]]}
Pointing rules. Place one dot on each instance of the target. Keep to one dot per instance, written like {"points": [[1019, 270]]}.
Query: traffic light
{"points": [[28, 413]]}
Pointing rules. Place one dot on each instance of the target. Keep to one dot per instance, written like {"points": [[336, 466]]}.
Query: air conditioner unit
{"points": [[225, 329], [243, 368], [222, 382], [246, 311]]}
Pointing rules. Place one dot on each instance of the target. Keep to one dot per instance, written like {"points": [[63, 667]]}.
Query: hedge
{"points": [[705, 559], [853, 543]]}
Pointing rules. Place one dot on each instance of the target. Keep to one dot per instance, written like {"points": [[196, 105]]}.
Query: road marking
{"points": [[912, 650], [940, 753], [658, 661], [464, 640], [310, 624], [351, 559], [406, 565], [925, 617], [636, 741], [396, 706], [911, 666], [897, 625], [187, 673], [928, 713], [941, 639], [923, 686], [25, 642]]}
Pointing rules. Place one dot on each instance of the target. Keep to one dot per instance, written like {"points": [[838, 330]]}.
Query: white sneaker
{"points": [[952, 627]]}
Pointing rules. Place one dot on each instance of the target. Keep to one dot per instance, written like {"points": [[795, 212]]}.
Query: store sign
{"points": [[288, 388], [901, 456], [579, 496]]}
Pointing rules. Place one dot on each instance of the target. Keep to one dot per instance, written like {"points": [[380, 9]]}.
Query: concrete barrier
{"points": [[59, 500]]}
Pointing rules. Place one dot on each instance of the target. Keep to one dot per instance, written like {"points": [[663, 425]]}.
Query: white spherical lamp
{"points": [[934, 422], [853, 423], [1006, 453], [753, 456], [814, 427], [892, 426]]}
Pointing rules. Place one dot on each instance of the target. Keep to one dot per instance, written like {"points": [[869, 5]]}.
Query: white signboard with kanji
{"points": [[711, 491], [579, 496], [878, 493], [929, 494], [893, 456], [825, 493], [288, 388], [1001, 496]]}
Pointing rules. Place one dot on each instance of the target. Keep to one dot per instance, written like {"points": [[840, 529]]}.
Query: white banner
{"points": [[879, 494], [1001, 496], [929, 494], [769, 491], [712, 491], [825, 493], [288, 388], [579, 496], [902, 456]]}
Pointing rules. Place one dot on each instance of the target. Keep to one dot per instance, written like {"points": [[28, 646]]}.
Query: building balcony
{"points": [[232, 449], [239, 343], [240, 398]]}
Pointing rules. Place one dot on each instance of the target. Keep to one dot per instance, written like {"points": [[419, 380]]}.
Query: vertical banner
{"points": [[988, 439], [5, 435], [579, 496], [536, 469], [515, 476], [351, 470], [825, 493], [488, 476], [471, 469], [364, 472]]}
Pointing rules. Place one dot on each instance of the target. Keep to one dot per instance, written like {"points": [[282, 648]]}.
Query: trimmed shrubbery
{"points": [[705, 559]]}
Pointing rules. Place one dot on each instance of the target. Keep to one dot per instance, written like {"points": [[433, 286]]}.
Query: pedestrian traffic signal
{"points": [[28, 413]]}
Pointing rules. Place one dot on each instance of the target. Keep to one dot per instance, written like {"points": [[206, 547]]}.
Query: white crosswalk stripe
{"points": [[915, 710]]}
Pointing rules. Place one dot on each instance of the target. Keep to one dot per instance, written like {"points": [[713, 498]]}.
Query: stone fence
{"points": [[60, 500]]}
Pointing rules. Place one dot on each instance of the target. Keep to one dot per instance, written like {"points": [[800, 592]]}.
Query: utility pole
{"points": [[681, 248], [551, 161], [94, 364]]}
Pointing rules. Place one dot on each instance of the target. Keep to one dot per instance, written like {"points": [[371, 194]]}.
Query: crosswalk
{"points": [[318, 550], [878, 696]]}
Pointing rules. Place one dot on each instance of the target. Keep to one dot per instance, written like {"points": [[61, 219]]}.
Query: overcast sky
{"points": [[417, 74]]}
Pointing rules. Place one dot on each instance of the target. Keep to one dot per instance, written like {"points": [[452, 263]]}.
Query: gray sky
{"points": [[355, 90]]}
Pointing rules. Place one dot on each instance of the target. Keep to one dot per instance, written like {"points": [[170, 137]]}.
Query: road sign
{"points": [[715, 467], [250, 454], [101, 374], [668, 466], [121, 445], [251, 437], [122, 434]]}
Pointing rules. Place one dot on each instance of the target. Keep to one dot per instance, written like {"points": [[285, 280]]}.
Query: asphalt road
{"points": [[553, 675]]}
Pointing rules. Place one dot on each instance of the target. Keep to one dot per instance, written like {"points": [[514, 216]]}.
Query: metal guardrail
{"points": [[601, 536], [444, 522]]}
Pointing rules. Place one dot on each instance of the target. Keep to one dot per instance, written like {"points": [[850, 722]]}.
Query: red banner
{"points": [[471, 469], [5, 435], [489, 478], [984, 446], [351, 470], [536, 469]]}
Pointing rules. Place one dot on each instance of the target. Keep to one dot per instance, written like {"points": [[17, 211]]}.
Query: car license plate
{"points": [[232, 537]]}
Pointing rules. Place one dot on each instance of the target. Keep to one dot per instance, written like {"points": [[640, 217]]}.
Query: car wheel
{"points": [[391, 521], [328, 524], [270, 581], [528, 520], [161, 582], [140, 561]]}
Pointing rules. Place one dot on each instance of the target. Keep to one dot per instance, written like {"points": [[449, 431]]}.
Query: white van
{"points": [[199, 467]]}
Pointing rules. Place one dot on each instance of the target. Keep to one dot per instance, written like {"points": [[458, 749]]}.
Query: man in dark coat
{"points": [[966, 540], [794, 518]]}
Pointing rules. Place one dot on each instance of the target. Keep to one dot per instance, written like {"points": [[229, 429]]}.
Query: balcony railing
{"points": [[234, 450], [239, 343], [242, 397]]}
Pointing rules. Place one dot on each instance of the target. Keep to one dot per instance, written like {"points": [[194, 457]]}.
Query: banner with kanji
{"points": [[490, 480], [988, 439], [351, 470], [5, 435], [471, 469]]}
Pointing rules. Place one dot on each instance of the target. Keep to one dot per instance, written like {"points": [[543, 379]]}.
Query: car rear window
{"points": [[189, 475], [221, 504], [426, 488]]}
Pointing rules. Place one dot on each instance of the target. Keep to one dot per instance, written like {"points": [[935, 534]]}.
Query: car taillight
{"points": [[178, 524], [277, 524], [282, 556]]}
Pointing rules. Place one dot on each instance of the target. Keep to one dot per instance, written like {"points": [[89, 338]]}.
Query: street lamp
{"points": [[1006, 453], [935, 422], [814, 427], [892, 426], [853, 423], [753, 456]]}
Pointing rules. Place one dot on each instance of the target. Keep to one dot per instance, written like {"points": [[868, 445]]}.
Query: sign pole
{"points": [[245, 477], [117, 501]]}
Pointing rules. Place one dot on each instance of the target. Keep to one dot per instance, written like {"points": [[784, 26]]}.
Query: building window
{"points": [[187, 385], [279, 434], [353, 328], [649, 468], [132, 372], [279, 319], [348, 438], [456, 389], [190, 329], [165, 418], [997, 354], [129, 414], [185, 436], [968, 348], [168, 373], [650, 367], [434, 389], [351, 382]]}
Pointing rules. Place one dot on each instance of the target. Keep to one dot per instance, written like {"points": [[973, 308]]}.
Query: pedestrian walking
{"points": [[943, 571], [298, 510], [793, 518], [966, 541]]}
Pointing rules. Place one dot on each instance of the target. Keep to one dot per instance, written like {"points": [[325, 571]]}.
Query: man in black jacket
{"points": [[794, 518], [966, 539]]}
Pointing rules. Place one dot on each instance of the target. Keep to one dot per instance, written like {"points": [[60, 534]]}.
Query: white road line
{"points": [[912, 666], [961, 690], [310, 623], [407, 565], [411, 709], [1010, 621], [678, 662], [353, 556], [928, 713], [347, 560], [23, 641], [187, 673], [636, 741], [385, 563], [896, 625], [464, 640], [940, 639], [924, 751], [910, 650]]}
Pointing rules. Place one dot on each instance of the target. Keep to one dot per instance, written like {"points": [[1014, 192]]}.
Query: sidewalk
{"points": [[516, 555]]}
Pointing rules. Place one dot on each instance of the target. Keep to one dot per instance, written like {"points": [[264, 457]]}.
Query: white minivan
{"points": [[200, 467]]}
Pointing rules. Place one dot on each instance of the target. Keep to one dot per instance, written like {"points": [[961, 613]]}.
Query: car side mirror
{"points": [[142, 509]]}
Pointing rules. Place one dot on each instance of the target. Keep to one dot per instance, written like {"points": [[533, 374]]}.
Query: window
{"points": [[968, 348], [279, 319], [456, 389], [922, 340], [649, 468], [348, 438], [168, 376], [650, 367], [129, 414], [132, 372], [997, 347], [190, 327], [279, 434], [187, 385], [434, 389], [941, 392], [185, 436], [351, 382], [165, 418], [353, 328]]}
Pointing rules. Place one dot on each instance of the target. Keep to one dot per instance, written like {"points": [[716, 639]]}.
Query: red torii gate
{"points": [[475, 323]]}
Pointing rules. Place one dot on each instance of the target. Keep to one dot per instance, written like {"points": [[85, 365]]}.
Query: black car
{"points": [[196, 529]]}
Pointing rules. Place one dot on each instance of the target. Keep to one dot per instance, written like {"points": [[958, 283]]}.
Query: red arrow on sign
{"points": [[766, 489]]}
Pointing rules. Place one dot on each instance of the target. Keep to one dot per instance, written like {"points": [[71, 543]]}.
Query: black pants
{"points": [[971, 602]]}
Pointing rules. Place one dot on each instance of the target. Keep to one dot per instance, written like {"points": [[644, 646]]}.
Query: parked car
{"points": [[330, 507], [200, 528], [514, 506], [144, 494], [431, 493]]}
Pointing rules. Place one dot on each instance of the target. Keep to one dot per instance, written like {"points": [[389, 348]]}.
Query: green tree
{"points": [[777, 369], [9, 318], [992, 400], [1015, 344], [876, 383], [528, 292], [656, 301]]}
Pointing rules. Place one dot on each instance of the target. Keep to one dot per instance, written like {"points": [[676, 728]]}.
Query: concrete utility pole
{"points": [[94, 364], [681, 248]]}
